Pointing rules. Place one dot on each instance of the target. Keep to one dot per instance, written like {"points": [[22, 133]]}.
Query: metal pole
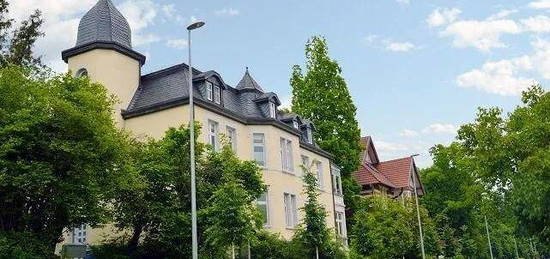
{"points": [[516, 246], [488, 237], [418, 213], [192, 157]]}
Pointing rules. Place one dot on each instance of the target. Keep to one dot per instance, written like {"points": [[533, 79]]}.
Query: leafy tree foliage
{"points": [[322, 96], [386, 228], [498, 168], [159, 210], [61, 156], [17, 48]]}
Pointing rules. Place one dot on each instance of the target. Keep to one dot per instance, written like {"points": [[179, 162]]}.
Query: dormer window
{"points": [[295, 124], [217, 94], [272, 110], [309, 135], [209, 91]]}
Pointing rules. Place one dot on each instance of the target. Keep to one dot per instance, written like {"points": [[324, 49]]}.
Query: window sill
{"points": [[289, 172], [291, 228]]}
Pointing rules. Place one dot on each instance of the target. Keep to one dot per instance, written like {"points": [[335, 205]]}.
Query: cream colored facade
{"points": [[121, 74]]}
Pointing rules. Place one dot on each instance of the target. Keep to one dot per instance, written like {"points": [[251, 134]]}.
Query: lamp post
{"points": [[195, 244], [417, 209]]}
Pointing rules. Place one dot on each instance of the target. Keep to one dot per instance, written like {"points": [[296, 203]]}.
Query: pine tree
{"points": [[321, 95]]}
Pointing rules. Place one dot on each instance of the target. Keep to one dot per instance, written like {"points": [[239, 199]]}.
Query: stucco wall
{"points": [[155, 124]]}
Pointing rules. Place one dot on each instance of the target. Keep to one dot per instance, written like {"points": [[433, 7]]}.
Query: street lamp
{"points": [[417, 209], [191, 27]]}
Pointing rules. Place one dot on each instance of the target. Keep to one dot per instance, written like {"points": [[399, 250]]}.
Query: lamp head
{"points": [[195, 25]]}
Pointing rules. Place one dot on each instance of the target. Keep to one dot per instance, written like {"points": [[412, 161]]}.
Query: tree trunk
{"points": [[232, 251], [134, 240]]}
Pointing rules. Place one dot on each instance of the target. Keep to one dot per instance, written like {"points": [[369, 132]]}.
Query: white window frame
{"points": [[272, 110], [295, 124], [340, 224], [213, 137], [217, 94], [209, 91], [267, 222], [309, 135], [83, 72], [232, 137], [319, 174], [263, 145], [287, 159], [337, 182], [80, 234], [290, 210]]}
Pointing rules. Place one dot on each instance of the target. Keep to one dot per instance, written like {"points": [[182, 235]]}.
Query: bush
{"points": [[23, 245]]}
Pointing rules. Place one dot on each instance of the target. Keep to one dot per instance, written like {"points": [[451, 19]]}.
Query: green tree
{"points": [[313, 231], [17, 49], [61, 156], [321, 95], [159, 210]]}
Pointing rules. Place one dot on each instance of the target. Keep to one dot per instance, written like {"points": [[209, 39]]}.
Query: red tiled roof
{"points": [[367, 174], [397, 171]]}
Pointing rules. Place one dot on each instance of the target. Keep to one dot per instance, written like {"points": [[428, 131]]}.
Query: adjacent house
{"points": [[395, 178], [245, 113]]}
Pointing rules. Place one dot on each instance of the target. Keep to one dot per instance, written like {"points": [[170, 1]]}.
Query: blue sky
{"points": [[416, 69]]}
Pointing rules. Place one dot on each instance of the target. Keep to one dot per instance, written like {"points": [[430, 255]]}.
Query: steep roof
{"points": [[169, 87], [104, 23], [398, 171], [367, 174], [248, 83], [369, 151]]}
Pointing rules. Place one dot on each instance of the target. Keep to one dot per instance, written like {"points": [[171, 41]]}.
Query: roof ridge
{"points": [[395, 159]]}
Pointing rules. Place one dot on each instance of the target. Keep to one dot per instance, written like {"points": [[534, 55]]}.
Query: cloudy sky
{"points": [[417, 69]]}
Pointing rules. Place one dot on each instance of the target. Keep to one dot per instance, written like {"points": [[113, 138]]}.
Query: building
{"points": [[395, 178], [245, 113]]}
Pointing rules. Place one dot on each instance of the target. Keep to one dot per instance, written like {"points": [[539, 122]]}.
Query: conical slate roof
{"points": [[104, 23], [247, 82]]}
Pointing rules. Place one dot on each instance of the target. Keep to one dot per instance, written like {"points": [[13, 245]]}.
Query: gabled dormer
{"points": [[307, 129], [291, 119], [268, 103], [211, 86]]}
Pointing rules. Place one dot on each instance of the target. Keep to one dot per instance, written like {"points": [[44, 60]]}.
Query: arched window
{"points": [[82, 72]]}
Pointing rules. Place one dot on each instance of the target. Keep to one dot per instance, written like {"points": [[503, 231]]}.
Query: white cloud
{"points": [[400, 46], [538, 24], [481, 34], [403, 2], [140, 15], [61, 20], [227, 12], [500, 77], [542, 4], [177, 43], [502, 14], [442, 16], [389, 146], [171, 14], [440, 128], [408, 133]]}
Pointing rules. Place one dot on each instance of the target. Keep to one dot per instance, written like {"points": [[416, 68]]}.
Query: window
{"points": [[217, 94], [319, 167], [259, 149], [340, 224], [305, 164], [263, 206], [79, 234], [309, 135], [337, 184], [286, 155], [337, 181], [82, 72], [272, 110], [209, 90], [213, 135], [295, 124], [232, 137], [291, 213]]}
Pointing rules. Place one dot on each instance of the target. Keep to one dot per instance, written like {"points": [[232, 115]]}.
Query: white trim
{"points": [[264, 156]]}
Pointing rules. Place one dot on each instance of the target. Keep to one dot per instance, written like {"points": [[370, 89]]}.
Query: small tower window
{"points": [[272, 110], [81, 72], [295, 124]]}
